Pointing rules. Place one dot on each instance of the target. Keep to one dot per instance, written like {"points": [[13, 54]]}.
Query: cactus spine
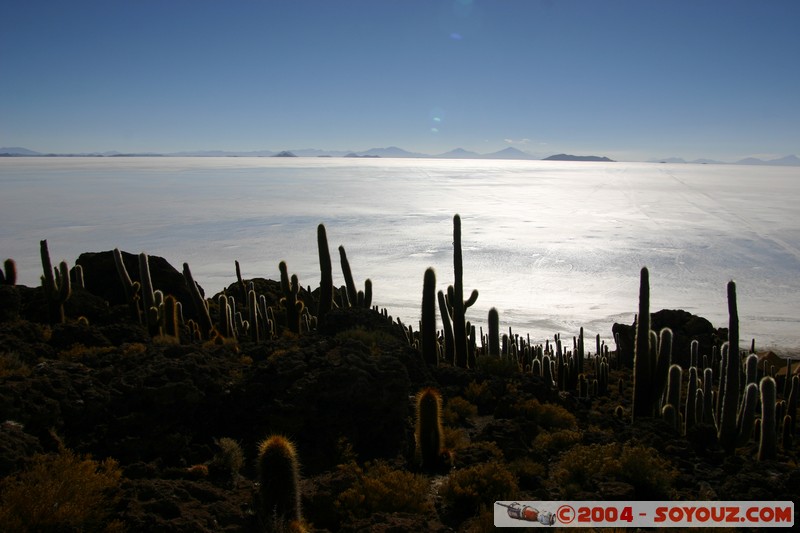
{"points": [[429, 433], [430, 352], [57, 286], [642, 364], [730, 401], [279, 492], [767, 445]]}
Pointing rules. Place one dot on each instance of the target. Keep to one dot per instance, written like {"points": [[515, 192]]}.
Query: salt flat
{"points": [[553, 245]]}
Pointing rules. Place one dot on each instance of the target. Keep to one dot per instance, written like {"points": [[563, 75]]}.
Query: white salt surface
{"points": [[553, 246]]}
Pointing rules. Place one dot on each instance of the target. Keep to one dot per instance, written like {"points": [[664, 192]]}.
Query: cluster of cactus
{"points": [[732, 408], [355, 297], [56, 284]]}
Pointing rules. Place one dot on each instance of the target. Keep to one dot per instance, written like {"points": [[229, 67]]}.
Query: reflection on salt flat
{"points": [[552, 245]]}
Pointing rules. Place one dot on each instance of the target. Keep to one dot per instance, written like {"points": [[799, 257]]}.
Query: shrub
{"points": [[372, 339], [12, 365], [457, 411], [548, 444], [546, 415], [466, 490], [641, 466], [64, 492], [502, 367], [380, 488], [228, 461], [80, 352], [478, 393]]}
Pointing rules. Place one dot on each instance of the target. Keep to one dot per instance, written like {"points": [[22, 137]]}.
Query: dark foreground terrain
{"points": [[111, 422]]}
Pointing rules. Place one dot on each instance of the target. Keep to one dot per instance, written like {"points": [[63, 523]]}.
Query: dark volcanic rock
{"points": [[102, 280], [685, 327]]}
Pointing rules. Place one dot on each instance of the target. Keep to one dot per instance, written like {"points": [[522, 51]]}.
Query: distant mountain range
{"points": [[788, 161], [389, 152]]}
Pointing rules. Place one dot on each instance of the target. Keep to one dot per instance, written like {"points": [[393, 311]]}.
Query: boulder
{"points": [[101, 278], [685, 327]]}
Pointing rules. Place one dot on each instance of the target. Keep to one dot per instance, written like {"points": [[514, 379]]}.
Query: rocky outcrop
{"points": [[685, 327]]}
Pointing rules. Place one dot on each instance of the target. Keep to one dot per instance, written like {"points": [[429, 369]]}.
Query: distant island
{"points": [[568, 157]]}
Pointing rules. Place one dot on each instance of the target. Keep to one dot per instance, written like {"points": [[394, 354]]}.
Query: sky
{"points": [[628, 79]]}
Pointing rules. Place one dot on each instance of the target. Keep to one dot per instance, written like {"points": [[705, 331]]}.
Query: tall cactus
{"points": [[430, 352], [494, 333], [459, 304], [352, 292], [767, 445], [57, 289], [326, 271], [726, 431], [279, 489], [642, 363]]}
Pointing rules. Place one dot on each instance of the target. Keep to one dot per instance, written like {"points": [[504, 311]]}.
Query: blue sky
{"points": [[631, 79]]}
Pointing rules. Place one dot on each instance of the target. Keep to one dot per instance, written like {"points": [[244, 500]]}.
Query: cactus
{"points": [[642, 364], [204, 325], [429, 433], [459, 304], [674, 386], [57, 289], [494, 333], [767, 445], [430, 351], [691, 395], [751, 369], [447, 326], [130, 288], [787, 382], [747, 414], [352, 293], [663, 363], [8, 276], [726, 432], [786, 433], [169, 320], [252, 316], [291, 289], [671, 416], [279, 478], [699, 406], [583, 386], [148, 296], [791, 403]]}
